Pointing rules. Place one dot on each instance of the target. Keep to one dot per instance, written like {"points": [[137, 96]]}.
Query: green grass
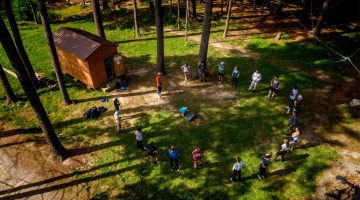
{"points": [[247, 126]]}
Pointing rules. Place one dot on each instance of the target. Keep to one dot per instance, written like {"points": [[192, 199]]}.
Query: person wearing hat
{"points": [[274, 87], [117, 120], [221, 71], [235, 76], [283, 150], [265, 162], [186, 69], [174, 157], [158, 83]]}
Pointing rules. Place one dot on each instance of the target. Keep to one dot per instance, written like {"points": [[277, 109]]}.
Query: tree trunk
{"points": [[115, 15], [178, 14], [105, 5], [136, 20], [205, 32], [170, 6], [254, 4], [187, 19], [159, 36], [98, 18], [19, 44], [265, 3], [33, 11], [151, 6], [10, 96], [54, 57], [192, 11], [317, 29], [30, 92], [227, 19], [222, 9], [278, 7]]}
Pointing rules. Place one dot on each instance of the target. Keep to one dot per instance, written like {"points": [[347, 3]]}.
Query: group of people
{"points": [[293, 107]]}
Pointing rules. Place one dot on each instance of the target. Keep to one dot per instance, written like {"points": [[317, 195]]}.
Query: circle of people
{"points": [[294, 106]]}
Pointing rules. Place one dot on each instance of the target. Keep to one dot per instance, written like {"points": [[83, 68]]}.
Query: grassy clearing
{"points": [[246, 126]]}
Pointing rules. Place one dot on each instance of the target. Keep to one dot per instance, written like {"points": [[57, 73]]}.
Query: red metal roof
{"points": [[78, 42]]}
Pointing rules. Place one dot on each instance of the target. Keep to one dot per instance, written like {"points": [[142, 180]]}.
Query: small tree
{"points": [[205, 32], [159, 36], [136, 19], [56, 147], [227, 19], [10, 96], [317, 29]]}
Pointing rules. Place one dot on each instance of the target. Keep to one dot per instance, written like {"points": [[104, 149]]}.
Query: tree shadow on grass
{"points": [[68, 184]]}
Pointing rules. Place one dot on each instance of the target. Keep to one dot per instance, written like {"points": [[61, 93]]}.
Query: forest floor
{"points": [[106, 165]]}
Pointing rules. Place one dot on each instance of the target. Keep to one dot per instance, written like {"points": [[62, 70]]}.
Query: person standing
{"points": [[297, 104], [292, 121], [158, 84], [237, 170], [116, 104], [221, 71], [152, 151], [186, 69], [202, 72], [174, 157], [293, 95], [197, 154], [235, 76], [265, 162], [139, 139], [256, 77], [294, 138], [274, 87], [283, 150], [117, 120]]}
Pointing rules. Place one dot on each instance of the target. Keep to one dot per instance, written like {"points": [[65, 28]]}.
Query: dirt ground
{"points": [[27, 168]]}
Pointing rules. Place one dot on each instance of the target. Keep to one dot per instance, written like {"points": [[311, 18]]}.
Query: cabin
{"points": [[87, 57]]}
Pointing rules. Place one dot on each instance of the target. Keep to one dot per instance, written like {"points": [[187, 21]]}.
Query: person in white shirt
{"points": [[186, 69], [139, 139], [237, 170], [282, 151], [293, 95], [117, 120], [256, 77]]}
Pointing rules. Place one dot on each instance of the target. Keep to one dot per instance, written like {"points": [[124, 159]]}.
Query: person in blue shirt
{"points": [[221, 71], [235, 76], [174, 157], [265, 162]]}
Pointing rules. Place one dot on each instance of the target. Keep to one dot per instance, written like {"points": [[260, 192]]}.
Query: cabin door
{"points": [[109, 67]]}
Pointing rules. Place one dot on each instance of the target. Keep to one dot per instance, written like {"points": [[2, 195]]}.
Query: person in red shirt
{"points": [[197, 154], [158, 83]]}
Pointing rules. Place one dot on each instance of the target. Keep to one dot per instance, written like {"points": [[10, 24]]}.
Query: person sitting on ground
{"points": [[197, 154], [221, 71], [274, 87], [116, 104], [292, 121], [297, 104], [139, 139], [186, 113], [293, 95], [265, 162], [256, 77], [174, 157], [117, 120], [294, 138], [283, 150], [186, 69], [237, 170], [235, 76], [152, 151], [202, 72]]}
